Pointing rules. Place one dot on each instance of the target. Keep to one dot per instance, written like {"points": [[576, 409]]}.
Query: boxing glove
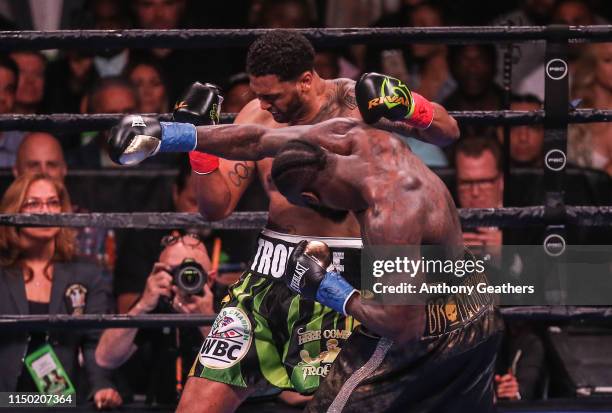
{"points": [[137, 137], [379, 96], [306, 275], [200, 105]]}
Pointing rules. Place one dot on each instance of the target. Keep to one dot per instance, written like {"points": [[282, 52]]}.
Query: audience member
{"points": [[153, 371], [108, 95], [102, 15], [473, 67], [521, 364], [68, 80], [39, 276], [9, 141], [590, 145], [182, 67], [159, 14], [285, 14], [40, 153], [150, 82], [480, 184], [238, 93], [570, 12], [74, 73], [107, 15], [526, 141], [31, 86], [423, 66]]}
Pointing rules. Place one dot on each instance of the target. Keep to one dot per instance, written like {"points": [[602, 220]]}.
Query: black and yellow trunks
{"points": [[450, 369], [266, 335]]}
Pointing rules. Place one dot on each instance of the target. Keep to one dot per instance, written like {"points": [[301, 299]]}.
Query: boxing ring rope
{"points": [[509, 217], [71, 122], [101, 321], [213, 38]]}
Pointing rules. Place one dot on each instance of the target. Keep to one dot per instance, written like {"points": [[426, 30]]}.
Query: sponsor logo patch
{"points": [[306, 336], [447, 313], [555, 160], [228, 341], [298, 273], [556, 69], [392, 93], [319, 365]]}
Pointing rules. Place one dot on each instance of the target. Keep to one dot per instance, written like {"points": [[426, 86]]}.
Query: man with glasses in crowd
{"points": [[480, 184]]}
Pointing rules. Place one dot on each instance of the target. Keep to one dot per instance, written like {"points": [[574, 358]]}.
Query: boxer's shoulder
{"points": [[344, 93], [252, 113]]}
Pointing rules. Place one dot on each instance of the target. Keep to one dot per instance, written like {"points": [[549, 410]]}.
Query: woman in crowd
{"points": [[590, 144], [147, 77], [39, 276]]}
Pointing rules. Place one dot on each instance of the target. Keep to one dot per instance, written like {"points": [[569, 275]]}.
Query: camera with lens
{"points": [[189, 277]]}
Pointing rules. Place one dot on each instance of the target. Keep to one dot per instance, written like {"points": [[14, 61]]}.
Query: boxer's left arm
{"points": [[138, 137], [254, 142]]}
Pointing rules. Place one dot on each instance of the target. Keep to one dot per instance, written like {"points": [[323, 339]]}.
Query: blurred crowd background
{"points": [[460, 77]]}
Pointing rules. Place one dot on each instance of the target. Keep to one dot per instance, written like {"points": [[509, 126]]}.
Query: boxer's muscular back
{"points": [[219, 192], [409, 204]]}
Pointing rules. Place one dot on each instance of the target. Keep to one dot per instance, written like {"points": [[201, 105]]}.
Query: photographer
{"points": [[149, 356]]}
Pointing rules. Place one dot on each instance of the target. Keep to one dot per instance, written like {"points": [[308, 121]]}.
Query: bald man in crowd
{"points": [[40, 152]]}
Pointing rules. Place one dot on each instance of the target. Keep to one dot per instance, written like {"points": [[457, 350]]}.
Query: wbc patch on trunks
{"points": [[228, 341]]}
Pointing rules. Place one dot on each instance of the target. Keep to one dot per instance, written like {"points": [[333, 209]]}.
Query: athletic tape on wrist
{"points": [[178, 137], [335, 292], [422, 113]]}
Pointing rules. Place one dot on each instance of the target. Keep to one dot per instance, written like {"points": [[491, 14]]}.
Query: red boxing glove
{"points": [[203, 163]]}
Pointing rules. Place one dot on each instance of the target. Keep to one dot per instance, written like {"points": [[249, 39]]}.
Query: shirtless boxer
{"points": [[280, 325], [397, 201]]}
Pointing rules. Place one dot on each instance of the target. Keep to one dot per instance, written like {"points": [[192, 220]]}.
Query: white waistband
{"points": [[334, 242]]}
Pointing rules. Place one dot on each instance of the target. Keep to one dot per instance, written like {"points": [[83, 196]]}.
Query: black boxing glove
{"points": [[137, 137], [380, 96], [306, 275], [200, 105]]}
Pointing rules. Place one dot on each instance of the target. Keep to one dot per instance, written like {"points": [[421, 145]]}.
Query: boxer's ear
{"points": [[305, 81]]}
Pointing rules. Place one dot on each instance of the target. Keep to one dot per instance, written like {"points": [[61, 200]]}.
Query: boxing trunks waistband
{"points": [[273, 249]]}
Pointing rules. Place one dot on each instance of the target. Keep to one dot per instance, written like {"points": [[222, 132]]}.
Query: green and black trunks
{"points": [[266, 335]]}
